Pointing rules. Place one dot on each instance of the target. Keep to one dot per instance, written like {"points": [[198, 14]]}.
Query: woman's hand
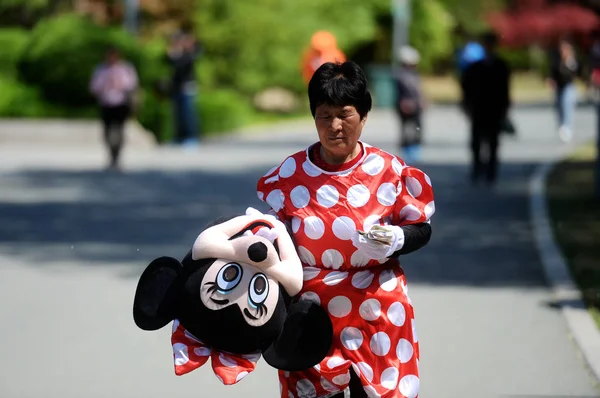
{"points": [[380, 242]]}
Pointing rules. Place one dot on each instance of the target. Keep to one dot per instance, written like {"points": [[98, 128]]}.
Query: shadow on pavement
{"points": [[481, 235]]}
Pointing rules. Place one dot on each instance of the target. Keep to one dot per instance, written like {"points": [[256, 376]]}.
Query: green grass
{"points": [[575, 218]]}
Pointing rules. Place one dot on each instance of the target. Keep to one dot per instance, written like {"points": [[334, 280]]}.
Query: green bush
{"points": [[217, 111], [63, 51], [222, 110], [12, 43], [155, 115], [21, 101]]}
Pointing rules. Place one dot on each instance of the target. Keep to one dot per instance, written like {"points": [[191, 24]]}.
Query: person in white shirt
{"points": [[113, 83]]}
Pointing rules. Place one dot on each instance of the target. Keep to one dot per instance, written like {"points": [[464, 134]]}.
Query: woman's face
{"points": [[565, 49], [339, 128]]}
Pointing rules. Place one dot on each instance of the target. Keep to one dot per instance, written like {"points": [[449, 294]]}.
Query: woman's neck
{"points": [[334, 160]]}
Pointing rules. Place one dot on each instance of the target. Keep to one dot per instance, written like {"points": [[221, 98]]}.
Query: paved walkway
{"points": [[73, 241]]}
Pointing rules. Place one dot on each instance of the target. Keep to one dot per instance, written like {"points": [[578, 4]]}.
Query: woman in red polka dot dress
{"points": [[337, 196]]}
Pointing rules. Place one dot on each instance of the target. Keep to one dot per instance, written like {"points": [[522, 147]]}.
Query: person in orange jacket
{"points": [[323, 48]]}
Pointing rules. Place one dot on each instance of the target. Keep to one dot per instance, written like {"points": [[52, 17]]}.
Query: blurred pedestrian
{"points": [[114, 83], [323, 48], [486, 101], [563, 72], [182, 54], [410, 103]]}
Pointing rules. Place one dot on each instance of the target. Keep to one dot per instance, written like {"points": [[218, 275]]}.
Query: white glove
{"points": [[380, 242]]}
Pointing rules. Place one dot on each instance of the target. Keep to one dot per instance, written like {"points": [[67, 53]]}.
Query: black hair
{"points": [[339, 84]]}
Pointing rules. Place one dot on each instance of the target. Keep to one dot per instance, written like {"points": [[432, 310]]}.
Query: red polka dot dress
{"points": [[367, 299]]}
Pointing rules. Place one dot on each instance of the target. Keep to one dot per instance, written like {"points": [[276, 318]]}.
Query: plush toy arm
{"points": [[305, 340], [156, 294]]}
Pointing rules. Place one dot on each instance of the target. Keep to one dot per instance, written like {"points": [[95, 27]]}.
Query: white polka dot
{"points": [[328, 386], [300, 196], [359, 259], [314, 227], [404, 350], [366, 370], [311, 296], [352, 338], [397, 314], [370, 310], [409, 386], [260, 195], [371, 392], [328, 196], [414, 330], [373, 219], [181, 353], [334, 362], [429, 209], [286, 374], [334, 278], [413, 186], [275, 199], [272, 179], [362, 279], [399, 188], [339, 306], [332, 259], [317, 367], [373, 164], [288, 168], [268, 173], [306, 256], [389, 378], [296, 224], [397, 166], [243, 374], [342, 380], [358, 195], [427, 179], [387, 280], [227, 361], [343, 228], [386, 194], [290, 394], [310, 169], [252, 357], [410, 213], [305, 388], [202, 351], [380, 344], [175, 324], [310, 273]]}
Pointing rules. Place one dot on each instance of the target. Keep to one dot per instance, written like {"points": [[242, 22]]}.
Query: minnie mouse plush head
{"points": [[231, 299]]}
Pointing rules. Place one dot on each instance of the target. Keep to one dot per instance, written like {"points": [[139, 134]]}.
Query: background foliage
{"points": [[49, 49]]}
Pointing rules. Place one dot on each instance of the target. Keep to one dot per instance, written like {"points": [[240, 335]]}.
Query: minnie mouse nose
{"points": [[257, 252]]}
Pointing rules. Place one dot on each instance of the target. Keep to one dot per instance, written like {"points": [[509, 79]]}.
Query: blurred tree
{"points": [[254, 45], [430, 32]]}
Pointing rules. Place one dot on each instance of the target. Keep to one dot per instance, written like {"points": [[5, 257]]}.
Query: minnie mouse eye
{"points": [[229, 277], [258, 289]]}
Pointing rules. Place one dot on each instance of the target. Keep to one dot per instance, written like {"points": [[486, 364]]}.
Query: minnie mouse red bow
{"points": [[190, 353]]}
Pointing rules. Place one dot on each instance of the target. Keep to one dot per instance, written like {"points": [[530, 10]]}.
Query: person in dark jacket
{"points": [[182, 55], [410, 103], [486, 101]]}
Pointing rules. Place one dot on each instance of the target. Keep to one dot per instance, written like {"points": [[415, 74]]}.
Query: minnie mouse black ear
{"points": [[157, 293], [305, 340]]}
